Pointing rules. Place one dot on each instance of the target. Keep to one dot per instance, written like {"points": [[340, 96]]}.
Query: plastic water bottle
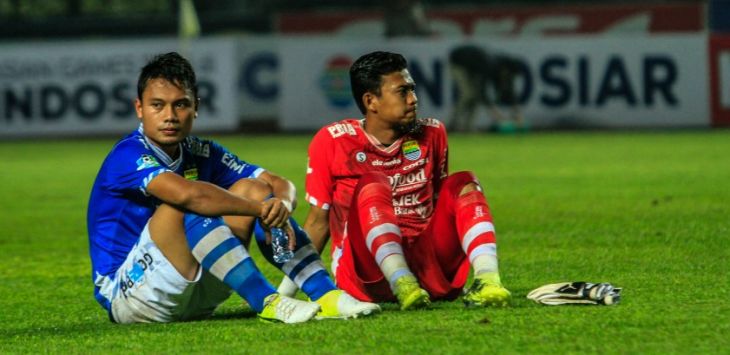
{"points": [[280, 245]]}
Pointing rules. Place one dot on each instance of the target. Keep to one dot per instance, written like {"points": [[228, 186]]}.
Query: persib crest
{"points": [[411, 150]]}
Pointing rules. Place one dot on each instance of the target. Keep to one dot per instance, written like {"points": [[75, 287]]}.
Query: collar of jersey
{"points": [[376, 143], [171, 164]]}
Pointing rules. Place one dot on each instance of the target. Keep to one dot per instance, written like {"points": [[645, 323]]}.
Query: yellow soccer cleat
{"points": [[410, 294], [278, 308], [485, 292], [337, 304]]}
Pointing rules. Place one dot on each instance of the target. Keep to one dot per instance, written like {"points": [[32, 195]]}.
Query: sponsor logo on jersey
{"points": [[379, 162], [340, 129], [411, 150], [199, 148], [431, 122], [360, 157], [146, 161], [191, 174], [415, 164], [407, 200], [232, 163], [401, 181]]}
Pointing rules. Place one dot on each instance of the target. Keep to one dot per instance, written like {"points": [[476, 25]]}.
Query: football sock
{"points": [[305, 268], [219, 252], [474, 225], [394, 267], [383, 236]]}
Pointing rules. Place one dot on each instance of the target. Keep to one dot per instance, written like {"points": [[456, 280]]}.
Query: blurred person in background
{"points": [[402, 228], [170, 216], [486, 79], [405, 18]]}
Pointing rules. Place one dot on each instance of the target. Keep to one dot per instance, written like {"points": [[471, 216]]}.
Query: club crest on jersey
{"points": [[411, 150], [360, 157], [191, 174], [146, 161]]}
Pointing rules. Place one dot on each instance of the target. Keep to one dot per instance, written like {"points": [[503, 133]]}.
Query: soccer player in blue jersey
{"points": [[170, 216]]}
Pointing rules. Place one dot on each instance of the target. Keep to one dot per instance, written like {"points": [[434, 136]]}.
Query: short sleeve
{"points": [[131, 167], [319, 182], [227, 168]]}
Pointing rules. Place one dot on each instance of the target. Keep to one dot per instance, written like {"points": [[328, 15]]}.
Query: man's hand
{"points": [[289, 232], [275, 212]]}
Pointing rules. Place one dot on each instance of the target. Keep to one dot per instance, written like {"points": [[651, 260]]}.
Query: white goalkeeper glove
{"points": [[577, 292]]}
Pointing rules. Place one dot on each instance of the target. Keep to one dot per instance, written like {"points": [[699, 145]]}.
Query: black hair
{"points": [[366, 74], [169, 66]]}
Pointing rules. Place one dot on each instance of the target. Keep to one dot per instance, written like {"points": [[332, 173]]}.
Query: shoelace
{"points": [[285, 308]]}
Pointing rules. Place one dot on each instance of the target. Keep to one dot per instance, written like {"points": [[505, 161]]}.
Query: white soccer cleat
{"points": [[278, 308], [337, 304]]}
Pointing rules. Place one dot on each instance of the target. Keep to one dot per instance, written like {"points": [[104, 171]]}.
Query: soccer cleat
{"points": [[337, 304], [410, 294], [278, 308], [486, 294]]}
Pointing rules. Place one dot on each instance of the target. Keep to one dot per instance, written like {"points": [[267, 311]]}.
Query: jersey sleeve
{"points": [[131, 167], [319, 181], [227, 168]]}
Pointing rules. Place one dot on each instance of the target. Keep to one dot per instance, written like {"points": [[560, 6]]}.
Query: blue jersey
{"points": [[119, 206]]}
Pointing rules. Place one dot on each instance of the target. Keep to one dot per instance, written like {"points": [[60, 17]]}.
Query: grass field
{"points": [[648, 211]]}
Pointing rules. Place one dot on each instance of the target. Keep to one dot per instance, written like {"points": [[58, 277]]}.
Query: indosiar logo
{"points": [[335, 81]]}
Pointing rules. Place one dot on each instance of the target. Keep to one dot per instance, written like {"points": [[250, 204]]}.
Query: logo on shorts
{"points": [[146, 161], [136, 273], [411, 150], [361, 157]]}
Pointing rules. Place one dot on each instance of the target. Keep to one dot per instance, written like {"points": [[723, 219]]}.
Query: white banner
{"points": [[258, 78], [643, 81], [89, 87]]}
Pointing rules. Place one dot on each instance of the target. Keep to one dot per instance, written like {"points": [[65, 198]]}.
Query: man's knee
{"points": [[373, 184], [461, 183], [254, 189]]}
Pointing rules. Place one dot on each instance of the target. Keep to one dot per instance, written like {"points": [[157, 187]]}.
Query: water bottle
{"points": [[280, 245]]}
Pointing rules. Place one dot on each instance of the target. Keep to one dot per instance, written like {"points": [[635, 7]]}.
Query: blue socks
{"points": [[305, 268], [222, 254]]}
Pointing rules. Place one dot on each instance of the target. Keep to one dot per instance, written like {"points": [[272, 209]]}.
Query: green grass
{"points": [[647, 211]]}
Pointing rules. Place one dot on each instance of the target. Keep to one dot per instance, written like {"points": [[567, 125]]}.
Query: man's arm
{"points": [[317, 227], [278, 208], [201, 197]]}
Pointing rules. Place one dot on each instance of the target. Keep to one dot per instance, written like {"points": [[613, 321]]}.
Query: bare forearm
{"points": [[317, 227], [201, 197], [210, 200]]}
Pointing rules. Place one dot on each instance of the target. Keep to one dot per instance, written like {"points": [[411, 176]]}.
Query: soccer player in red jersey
{"points": [[401, 226]]}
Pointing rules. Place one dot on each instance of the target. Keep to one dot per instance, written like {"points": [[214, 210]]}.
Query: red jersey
{"points": [[341, 152]]}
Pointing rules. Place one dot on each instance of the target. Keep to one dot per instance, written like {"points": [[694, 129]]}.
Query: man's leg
{"points": [[188, 240], [375, 241], [309, 274], [462, 201], [306, 268]]}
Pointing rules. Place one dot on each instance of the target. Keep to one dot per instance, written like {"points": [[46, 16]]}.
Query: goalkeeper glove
{"points": [[578, 292]]}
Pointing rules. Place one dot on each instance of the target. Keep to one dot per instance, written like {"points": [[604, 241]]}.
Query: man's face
{"points": [[167, 113], [397, 103]]}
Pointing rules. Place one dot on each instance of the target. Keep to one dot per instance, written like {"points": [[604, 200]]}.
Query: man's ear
{"points": [[370, 101], [138, 108]]}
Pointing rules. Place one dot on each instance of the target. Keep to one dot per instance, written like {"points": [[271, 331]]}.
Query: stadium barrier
{"points": [[87, 87]]}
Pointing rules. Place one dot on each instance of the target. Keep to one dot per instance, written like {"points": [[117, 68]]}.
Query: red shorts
{"points": [[435, 256]]}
